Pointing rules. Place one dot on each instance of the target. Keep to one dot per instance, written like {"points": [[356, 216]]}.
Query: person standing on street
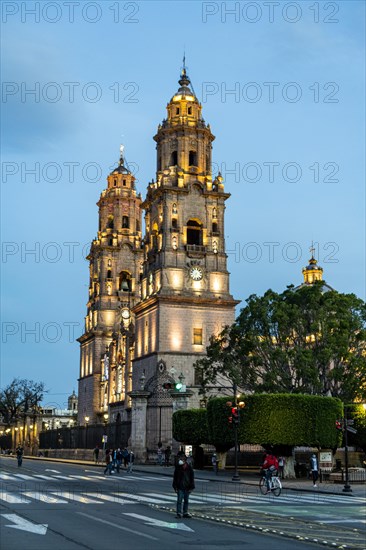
{"points": [[19, 453], [125, 457], [131, 458], [167, 456], [183, 485], [119, 459], [214, 463], [108, 462], [314, 469], [160, 455], [96, 454], [281, 466]]}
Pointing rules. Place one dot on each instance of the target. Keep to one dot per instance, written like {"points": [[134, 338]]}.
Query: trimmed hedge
{"points": [[190, 426], [267, 419]]}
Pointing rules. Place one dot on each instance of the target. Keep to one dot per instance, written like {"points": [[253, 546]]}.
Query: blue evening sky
{"points": [[290, 144]]}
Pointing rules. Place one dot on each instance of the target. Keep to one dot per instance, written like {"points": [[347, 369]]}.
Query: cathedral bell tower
{"points": [[115, 262], [185, 295]]}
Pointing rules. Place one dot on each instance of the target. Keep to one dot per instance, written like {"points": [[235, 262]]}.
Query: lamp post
{"points": [[236, 476], [105, 420], [347, 486], [86, 431]]}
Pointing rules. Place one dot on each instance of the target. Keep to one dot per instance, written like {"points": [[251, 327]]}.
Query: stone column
{"points": [[138, 424]]}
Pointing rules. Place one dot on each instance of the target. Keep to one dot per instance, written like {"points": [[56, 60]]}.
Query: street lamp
{"points": [[347, 486], [105, 420]]}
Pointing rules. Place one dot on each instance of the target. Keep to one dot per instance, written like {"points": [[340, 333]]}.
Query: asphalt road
{"points": [[55, 506]]}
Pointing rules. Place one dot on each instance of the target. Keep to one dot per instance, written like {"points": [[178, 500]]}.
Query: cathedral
{"points": [[156, 297]]}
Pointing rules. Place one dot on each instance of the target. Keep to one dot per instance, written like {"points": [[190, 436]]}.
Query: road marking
{"points": [[110, 498], [23, 476], [6, 477], [44, 497], [54, 471], [79, 477], [25, 525], [63, 477], [117, 526], [49, 478], [13, 499], [139, 498], [340, 521], [194, 500], [78, 498], [159, 523]]}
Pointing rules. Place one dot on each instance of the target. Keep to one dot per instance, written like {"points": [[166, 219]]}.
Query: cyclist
{"points": [[270, 465], [19, 453]]}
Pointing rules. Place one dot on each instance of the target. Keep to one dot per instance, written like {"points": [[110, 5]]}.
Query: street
{"points": [[59, 506]]}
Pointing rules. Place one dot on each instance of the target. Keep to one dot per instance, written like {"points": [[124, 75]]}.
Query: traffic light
{"points": [[339, 425], [178, 386], [168, 386], [235, 415]]}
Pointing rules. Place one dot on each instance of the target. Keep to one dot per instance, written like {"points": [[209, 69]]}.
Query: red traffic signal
{"points": [[339, 425], [168, 386]]}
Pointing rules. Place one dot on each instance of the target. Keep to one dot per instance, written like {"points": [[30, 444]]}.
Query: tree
{"points": [[301, 341], [20, 399]]}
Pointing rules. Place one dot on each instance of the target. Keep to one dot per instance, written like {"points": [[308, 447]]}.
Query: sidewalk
{"points": [[301, 485]]}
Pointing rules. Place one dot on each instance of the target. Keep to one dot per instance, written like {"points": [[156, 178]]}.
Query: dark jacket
{"points": [[183, 478]]}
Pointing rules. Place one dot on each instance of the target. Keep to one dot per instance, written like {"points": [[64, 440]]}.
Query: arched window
{"points": [[189, 110], [109, 274], [110, 242], [214, 228], [174, 208], [214, 213], [110, 222], [125, 281], [114, 182], [125, 222], [174, 158], [192, 158], [177, 111], [174, 223], [194, 232]]}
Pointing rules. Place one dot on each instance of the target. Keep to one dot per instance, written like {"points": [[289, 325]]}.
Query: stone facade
{"points": [[177, 282]]}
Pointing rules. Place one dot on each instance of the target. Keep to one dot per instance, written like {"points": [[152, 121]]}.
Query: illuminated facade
{"points": [[106, 347], [178, 282]]}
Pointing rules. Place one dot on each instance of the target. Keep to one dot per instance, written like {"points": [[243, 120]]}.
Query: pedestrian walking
{"points": [[125, 457], [96, 454], [183, 485], [314, 469], [160, 455], [108, 462], [19, 453], [281, 466], [119, 459], [215, 463], [131, 459], [167, 453]]}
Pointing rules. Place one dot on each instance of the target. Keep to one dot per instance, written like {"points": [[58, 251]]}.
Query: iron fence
{"points": [[86, 437]]}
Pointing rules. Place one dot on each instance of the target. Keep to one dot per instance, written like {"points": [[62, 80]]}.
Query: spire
{"points": [[184, 78], [121, 158]]}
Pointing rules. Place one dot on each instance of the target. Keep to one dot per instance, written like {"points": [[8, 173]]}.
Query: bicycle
{"points": [[275, 485]]}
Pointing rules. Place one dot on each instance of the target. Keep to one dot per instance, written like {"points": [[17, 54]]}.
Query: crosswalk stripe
{"points": [[48, 499], [13, 499], [62, 477], [139, 498], [23, 476], [78, 498], [110, 498], [172, 498], [49, 478], [5, 477], [79, 477]]}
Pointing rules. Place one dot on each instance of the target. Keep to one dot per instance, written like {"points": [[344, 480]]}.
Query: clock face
{"points": [[125, 313], [196, 273]]}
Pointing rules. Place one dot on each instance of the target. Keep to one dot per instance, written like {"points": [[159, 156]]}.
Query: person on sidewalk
{"points": [[183, 485], [190, 460], [19, 453], [314, 469], [160, 454], [131, 459], [215, 463], [108, 462], [96, 454], [125, 457], [281, 466], [270, 465], [167, 453], [119, 459]]}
